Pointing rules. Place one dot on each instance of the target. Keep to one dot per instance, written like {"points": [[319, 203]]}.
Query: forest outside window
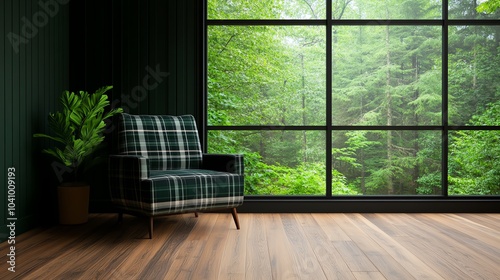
{"points": [[356, 97]]}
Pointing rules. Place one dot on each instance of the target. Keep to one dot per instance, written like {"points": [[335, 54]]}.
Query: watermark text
{"points": [[11, 218]]}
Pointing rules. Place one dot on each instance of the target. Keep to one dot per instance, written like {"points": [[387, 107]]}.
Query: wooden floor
{"points": [[268, 246]]}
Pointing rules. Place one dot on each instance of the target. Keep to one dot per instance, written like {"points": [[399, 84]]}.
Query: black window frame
{"points": [[369, 203]]}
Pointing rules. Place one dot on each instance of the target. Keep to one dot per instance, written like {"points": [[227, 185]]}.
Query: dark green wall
{"points": [[33, 73], [150, 51]]}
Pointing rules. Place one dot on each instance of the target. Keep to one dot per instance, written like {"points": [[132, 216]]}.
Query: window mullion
{"points": [[328, 99], [444, 103]]}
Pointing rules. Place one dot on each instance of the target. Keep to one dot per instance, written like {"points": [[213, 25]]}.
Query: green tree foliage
{"points": [[489, 6], [381, 76], [475, 157], [473, 70]]}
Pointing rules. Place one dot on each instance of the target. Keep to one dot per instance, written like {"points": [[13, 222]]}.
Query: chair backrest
{"points": [[169, 142]]}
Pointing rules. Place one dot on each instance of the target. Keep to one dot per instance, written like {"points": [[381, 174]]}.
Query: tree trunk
{"points": [[304, 119], [388, 98], [416, 170]]}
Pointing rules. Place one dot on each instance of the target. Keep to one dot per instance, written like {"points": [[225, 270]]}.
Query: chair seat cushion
{"points": [[184, 190]]}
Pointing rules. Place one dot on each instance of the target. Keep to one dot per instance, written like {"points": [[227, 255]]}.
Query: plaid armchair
{"points": [[160, 169]]}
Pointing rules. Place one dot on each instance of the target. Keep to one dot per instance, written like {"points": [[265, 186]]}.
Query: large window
{"points": [[356, 97]]}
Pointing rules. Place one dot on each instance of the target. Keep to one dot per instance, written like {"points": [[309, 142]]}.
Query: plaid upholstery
{"points": [[149, 178], [169, 142], [184, 190]]}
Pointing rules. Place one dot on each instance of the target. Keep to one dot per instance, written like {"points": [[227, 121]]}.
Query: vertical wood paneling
{"points": [[153, 54], [121, 39], [30, 85], [8, 86], [141, 92], [181, 57], [191, 56], [20, 145], [31, 196], [3, 92], [116, 49], [156, 34], [138, 58], [8, 160], [158, 55], [172, 33], [37, 106], [13, 118], [130, 64], [97, 42]]}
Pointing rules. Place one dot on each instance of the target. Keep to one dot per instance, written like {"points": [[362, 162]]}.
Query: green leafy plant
{"points": [[78, 127]]}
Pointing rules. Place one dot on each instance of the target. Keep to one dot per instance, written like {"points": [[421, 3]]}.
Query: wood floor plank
{"points": [[31, 248], [332, 230], [392, 224], [187, 259], [491, 221], [74, 252], [101, 251], [257, 253], [482, 237], [280, 250], [30, 252], [329, 258], [420, 240], [417, 268], [234, 257], [189, 254], [371, 275], [354, 256], [268, 246], [380, 258], [209, 263], [454, 251], [307, 264], [130, 260], [472, 262]]}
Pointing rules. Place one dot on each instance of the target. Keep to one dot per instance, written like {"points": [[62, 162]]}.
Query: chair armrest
{"points": [[126, 173], [232, 163], [129, 167]]}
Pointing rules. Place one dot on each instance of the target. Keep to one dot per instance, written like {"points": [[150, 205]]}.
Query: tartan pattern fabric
{"points": [[184, 190], [169, 142], [142, 181], [127, 173]]}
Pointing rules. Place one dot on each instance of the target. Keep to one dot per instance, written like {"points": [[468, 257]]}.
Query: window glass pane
{"points": [[266, 9], [474, 67], [473, 9], [474, 161], [277, 162], [266, 75], [382, 75], [388, 162], [392, 9], [386, 75]]}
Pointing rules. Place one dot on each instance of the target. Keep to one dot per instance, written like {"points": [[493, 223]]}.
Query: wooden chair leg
{"points": [[235, 218], [150, 227]]}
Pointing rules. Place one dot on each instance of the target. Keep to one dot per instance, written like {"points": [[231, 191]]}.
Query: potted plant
{"points": [[78, 129]]}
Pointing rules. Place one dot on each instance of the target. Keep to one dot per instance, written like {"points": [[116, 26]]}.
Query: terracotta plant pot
{"points": [[73, 203]]}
